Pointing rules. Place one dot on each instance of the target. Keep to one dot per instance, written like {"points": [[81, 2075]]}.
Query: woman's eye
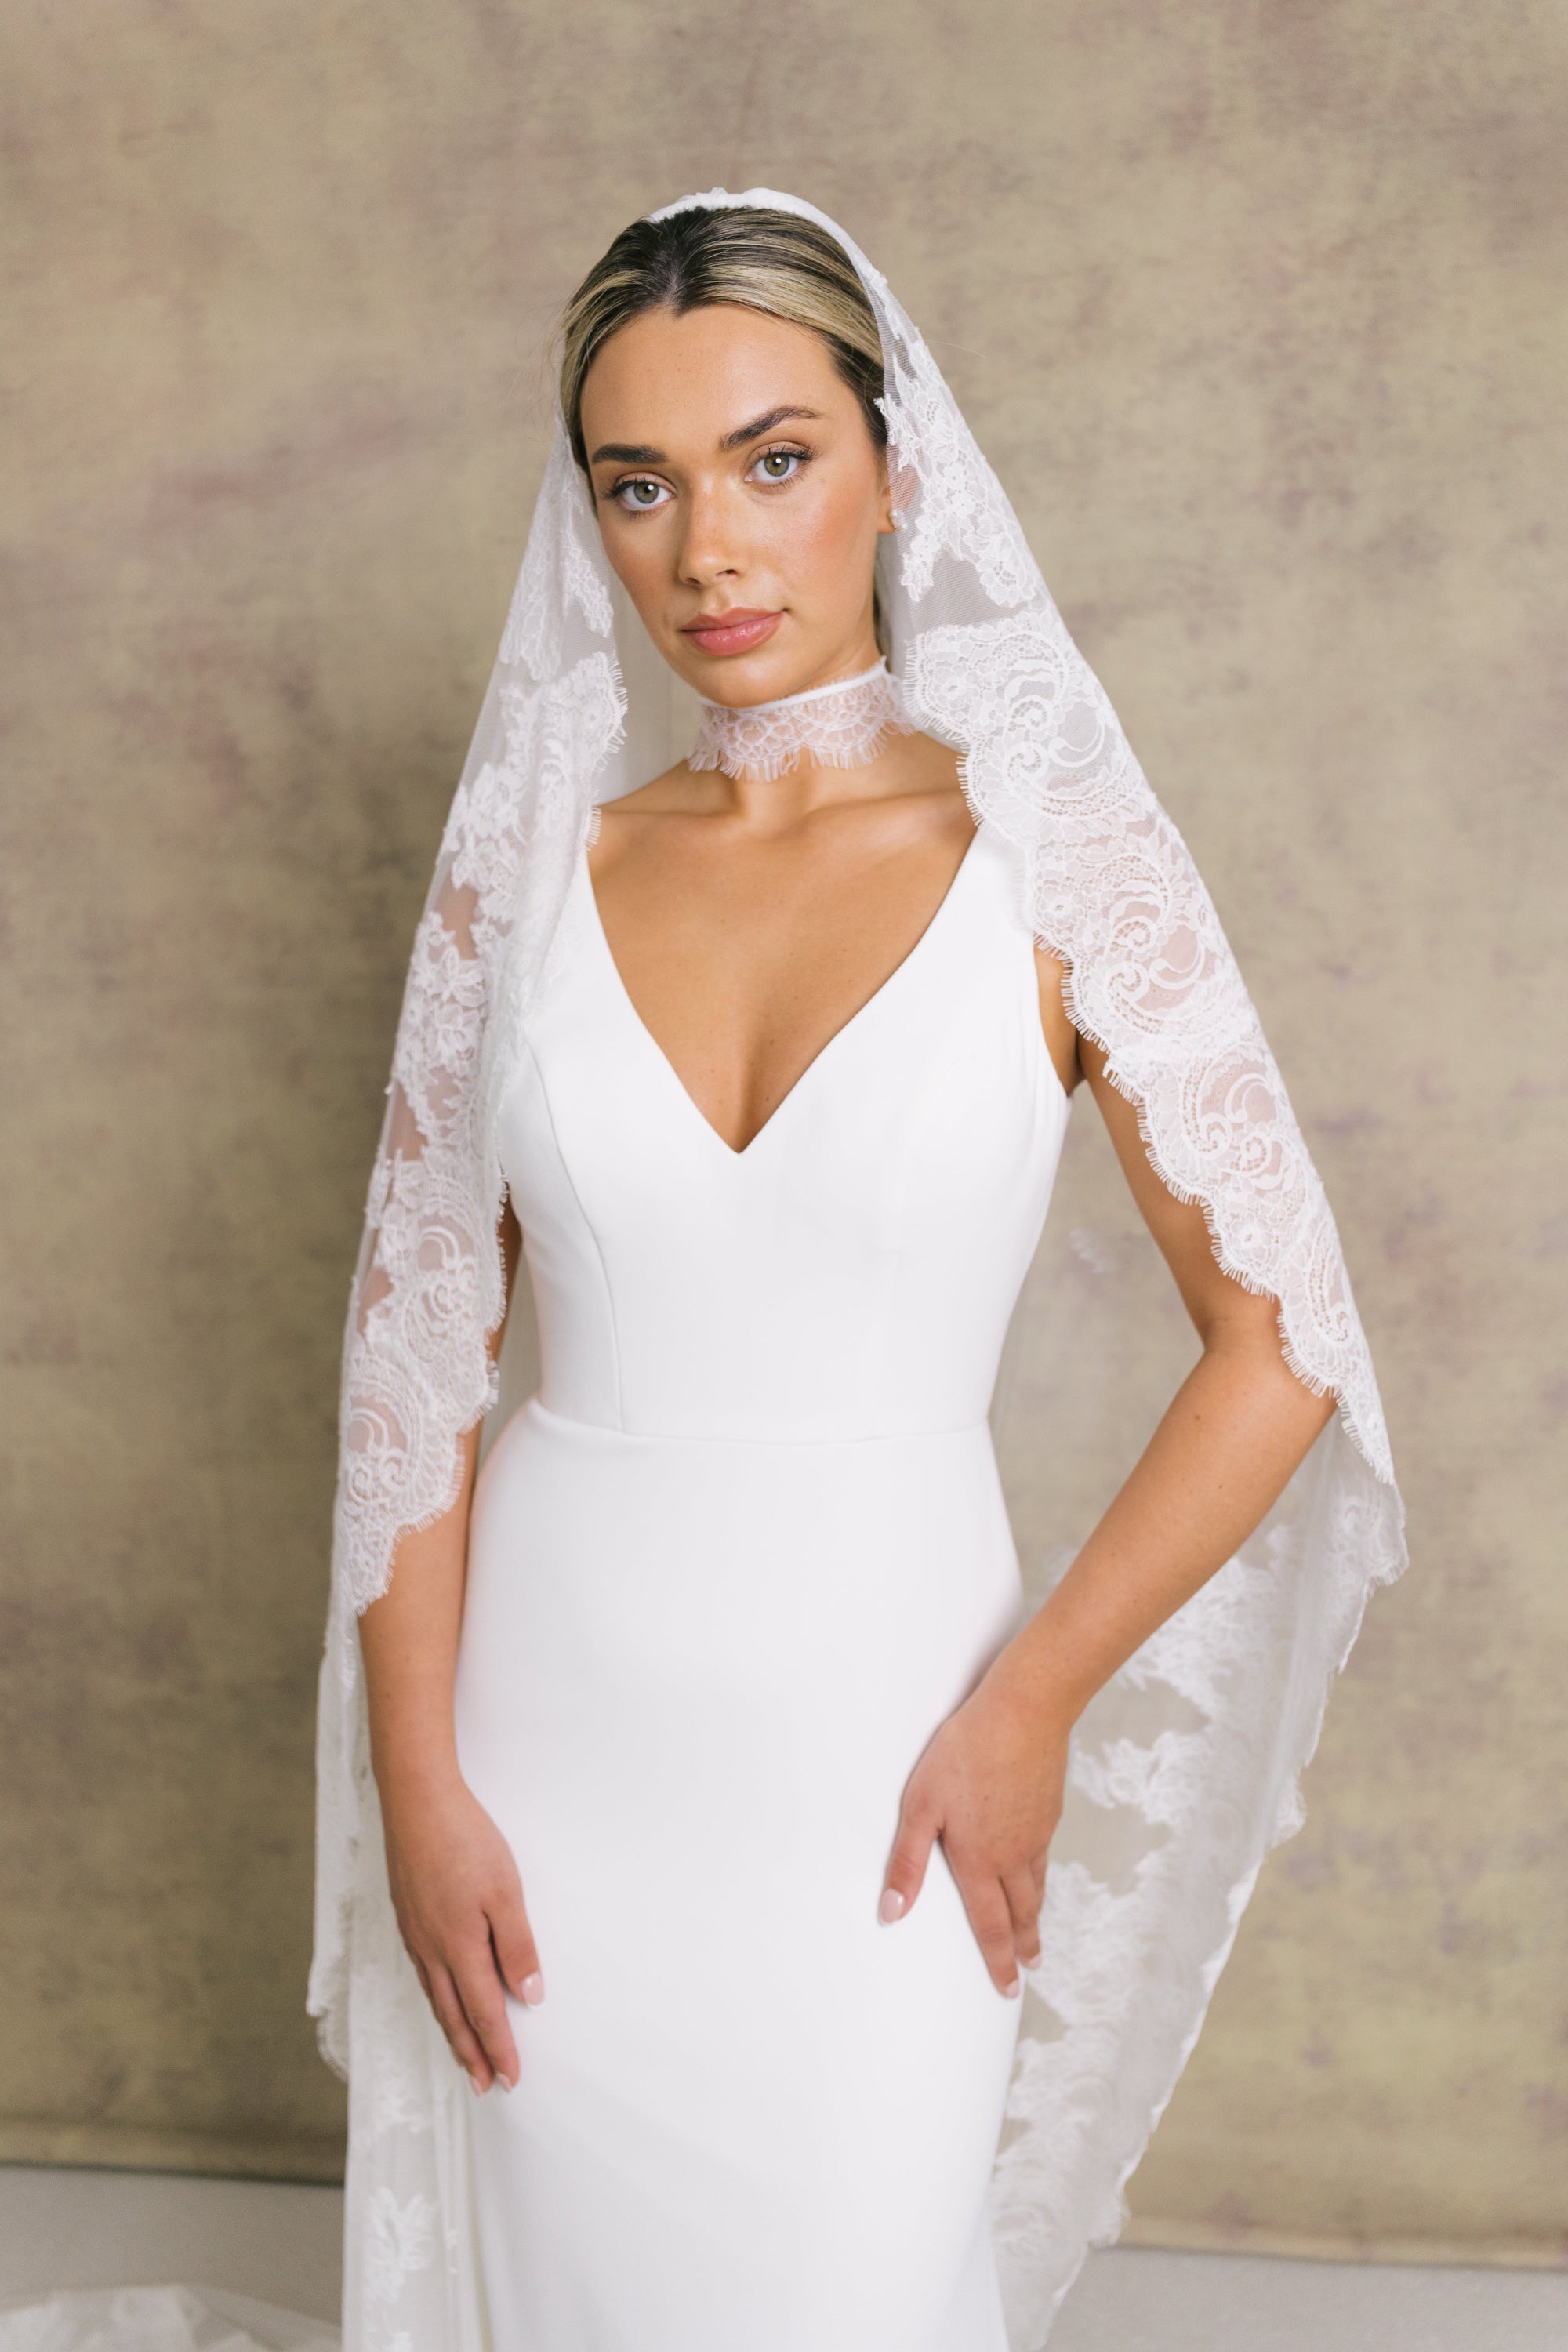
{"points": [[640, 497], [779, 465]]}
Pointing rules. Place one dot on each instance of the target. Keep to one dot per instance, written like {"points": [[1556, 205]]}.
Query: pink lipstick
{"points": [[738, 631]]}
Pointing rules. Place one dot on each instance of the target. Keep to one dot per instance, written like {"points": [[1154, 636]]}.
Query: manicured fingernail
{"points": [[476, 2087], [1014, 1990], [890, 1908], [532, 1988]]}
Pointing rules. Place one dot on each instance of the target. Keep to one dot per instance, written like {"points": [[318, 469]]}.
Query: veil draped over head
{"points": [[1184, 1768]]}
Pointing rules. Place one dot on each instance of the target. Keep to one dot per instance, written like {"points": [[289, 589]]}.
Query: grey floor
{"points": [[60, 2228]]}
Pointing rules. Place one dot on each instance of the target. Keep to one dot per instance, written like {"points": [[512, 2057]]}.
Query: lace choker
{"points": [[841, 726]]}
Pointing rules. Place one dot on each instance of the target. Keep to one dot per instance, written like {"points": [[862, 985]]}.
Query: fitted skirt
{"points": [[694, 1678]]}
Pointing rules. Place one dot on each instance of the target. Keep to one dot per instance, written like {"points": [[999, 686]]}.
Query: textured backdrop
{"points": [[1258, 310]]}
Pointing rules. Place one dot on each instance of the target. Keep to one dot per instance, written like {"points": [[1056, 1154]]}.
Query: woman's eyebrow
{"points": [[765, 424], [628, 453], [643, 453]]}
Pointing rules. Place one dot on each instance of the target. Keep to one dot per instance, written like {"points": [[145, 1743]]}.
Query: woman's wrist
{"points": [[412, 1777], [1044, 1674]]}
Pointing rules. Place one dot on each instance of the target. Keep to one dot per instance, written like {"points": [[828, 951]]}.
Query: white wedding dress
{"points": [[746, 1549], [729, 1571]]}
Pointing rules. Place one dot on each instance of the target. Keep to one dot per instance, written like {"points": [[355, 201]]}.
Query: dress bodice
{"points": [[851, 1273]]}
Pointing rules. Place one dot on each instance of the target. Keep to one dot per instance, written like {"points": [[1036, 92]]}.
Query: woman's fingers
{"points": [[452, 2018], [516, 1954], [992, 1922], [1021, 1891], [906, 1871], [483, 1995]]}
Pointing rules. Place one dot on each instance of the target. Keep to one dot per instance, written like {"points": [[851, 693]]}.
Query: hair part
{"points": [[756, 259]]}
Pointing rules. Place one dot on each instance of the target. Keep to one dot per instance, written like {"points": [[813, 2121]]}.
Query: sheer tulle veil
{"points": [[1185, 1766]]}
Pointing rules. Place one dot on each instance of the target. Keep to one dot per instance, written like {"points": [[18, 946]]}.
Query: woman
{"points": [[713, 1706]]}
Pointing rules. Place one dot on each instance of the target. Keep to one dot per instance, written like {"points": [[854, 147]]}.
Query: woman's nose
{"points": [[709, 549]]}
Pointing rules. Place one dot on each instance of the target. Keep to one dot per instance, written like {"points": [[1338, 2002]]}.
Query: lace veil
{"points": [[1185, 1766]]}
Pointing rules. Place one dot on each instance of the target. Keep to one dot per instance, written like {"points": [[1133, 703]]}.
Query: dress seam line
{"points": [[722, 1437], [588, 1228]]}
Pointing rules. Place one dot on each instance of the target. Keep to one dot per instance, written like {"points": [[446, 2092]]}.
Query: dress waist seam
{"points": [[537, 1408]]}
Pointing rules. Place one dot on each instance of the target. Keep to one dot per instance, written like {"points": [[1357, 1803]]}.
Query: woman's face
{"points": [[740, 496]]}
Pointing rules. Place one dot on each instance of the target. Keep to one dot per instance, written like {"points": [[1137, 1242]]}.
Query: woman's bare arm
{"points": [[991, 1783], [454, 1882]]}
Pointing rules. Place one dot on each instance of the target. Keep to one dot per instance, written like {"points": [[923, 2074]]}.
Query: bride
{"points": [[688, 1775]]}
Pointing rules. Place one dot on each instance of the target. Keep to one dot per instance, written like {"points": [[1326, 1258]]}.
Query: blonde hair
{"points": [[774, 262]]}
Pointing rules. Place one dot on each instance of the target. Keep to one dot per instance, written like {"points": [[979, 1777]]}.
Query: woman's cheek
{"points": [[827, 550], [635, 565]]}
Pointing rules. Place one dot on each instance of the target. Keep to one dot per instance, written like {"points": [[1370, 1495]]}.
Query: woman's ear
{"points": [[887, 516]]}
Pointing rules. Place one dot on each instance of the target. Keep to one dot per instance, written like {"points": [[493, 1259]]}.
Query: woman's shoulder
{"points": [[650, 817]]}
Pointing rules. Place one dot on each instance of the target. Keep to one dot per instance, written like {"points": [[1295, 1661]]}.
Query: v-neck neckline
{"points": [[822, 1050]]}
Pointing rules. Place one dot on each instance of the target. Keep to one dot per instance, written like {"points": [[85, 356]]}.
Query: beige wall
{"points": [[1258, 310]]}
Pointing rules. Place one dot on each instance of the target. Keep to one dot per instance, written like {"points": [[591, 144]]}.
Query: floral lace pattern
{"points": [[841, 726], [1151, 977], [418, 1373], [949, 501], [1185, 1766]]}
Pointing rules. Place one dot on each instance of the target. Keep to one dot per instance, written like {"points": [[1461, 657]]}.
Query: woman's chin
{"points": [[761, 675], [768, 673]]}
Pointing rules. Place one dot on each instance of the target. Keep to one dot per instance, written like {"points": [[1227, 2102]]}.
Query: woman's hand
{"points": [[459, 1908], [990, 1786]]}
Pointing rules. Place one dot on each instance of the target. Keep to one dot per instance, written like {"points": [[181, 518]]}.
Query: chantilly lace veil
{"points": [[1186, 1766]]}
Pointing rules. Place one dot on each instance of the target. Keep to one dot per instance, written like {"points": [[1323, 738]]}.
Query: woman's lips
{"points": [[735, 632]]}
